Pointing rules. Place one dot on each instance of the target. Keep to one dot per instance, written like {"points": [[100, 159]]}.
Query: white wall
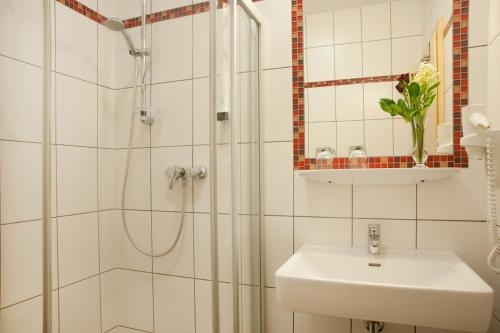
{"points": [[445, 215]]}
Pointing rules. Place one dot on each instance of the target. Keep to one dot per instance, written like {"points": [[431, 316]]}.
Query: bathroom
{"points": [[181, 166]]}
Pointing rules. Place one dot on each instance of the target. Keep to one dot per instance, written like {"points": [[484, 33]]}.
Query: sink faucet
{"points": [[374, 238]]}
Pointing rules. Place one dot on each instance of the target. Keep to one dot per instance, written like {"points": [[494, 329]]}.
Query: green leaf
{"points": [[414, 90], [386, 104]]}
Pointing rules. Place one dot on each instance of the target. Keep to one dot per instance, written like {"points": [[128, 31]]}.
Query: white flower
{"points": [[427, 75]]}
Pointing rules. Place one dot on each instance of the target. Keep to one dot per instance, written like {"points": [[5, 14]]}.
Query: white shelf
{"points": [[479, 140], [445, 149], [370, 177]]}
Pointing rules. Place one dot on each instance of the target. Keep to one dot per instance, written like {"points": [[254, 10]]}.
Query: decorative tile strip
{"points": [[373, 79], [459, 158], [84, 10]]}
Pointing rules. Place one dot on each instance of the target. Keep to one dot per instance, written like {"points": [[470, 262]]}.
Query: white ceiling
{"points": [[318, 6]]}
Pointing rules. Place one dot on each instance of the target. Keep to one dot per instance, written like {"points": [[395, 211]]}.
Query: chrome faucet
{"points": [[374, 238], [176, 172]]}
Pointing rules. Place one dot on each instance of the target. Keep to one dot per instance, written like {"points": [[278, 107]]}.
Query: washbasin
{"points": [[413, 287]]}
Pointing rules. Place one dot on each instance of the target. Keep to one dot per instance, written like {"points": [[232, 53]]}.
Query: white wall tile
{"points": [[201, 111], [21, 262], [139, 224], [106, 117], [322, 134], [278, 109], [379, 137], [278, 33], [319, 105], [25, 317], [20, 99], [172, 50], [461, 197], [494, 81], [478, 24], [76, 180], [494, 20], [76, 112], [201, 44], [180, 261], [377, 58], [319, 29], [279, 242], [173, 304], [406, 53], [317, 199], [78, 242], [202, 246], [305, 323], [403, 144], [159, 5], [75, 56], [109, 184], [321, 231], [394, 202], [21, 181], [80, 307], [405, 18], [349, 100], [138, 190], [21, 18], [376, 22], [319, 64], [478, 75], [174, 114], [110, 237], [278, 320], [347, 25], [348, 61], [278, 178], [373, 92], [394, 234], [349, 133], [109, 300], [135, 300], [163, 198]]}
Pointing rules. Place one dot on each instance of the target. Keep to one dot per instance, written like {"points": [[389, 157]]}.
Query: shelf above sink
{"points": [[370, 177]]}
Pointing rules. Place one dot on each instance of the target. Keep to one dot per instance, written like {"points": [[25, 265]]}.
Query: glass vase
{"points": [[419, 152]]}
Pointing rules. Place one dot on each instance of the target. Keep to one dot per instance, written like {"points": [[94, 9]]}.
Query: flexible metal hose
{"points": [[492, 204], [125, 183]]}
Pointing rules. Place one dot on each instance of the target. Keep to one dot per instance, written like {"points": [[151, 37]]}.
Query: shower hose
{"points": [[492, 204], [125, 184]]}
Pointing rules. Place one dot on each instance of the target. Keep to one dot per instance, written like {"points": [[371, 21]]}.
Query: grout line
{"points": [[2, 55], [494, 39], [135, 329]]}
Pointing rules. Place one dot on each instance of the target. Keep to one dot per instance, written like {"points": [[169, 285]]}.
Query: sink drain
{"points": [[374, 326], [374, 264]]}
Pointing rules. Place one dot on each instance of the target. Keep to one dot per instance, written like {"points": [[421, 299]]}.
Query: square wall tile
{"points": [[201, 111], [122, 118], [76, 112], [202, 243], [172, 50], [21, 262], [373, 92], [322, 231], [278, 178], [376, 23], [138, 192], [478, 75], [278, 109], [403, 143], [347, 25], [80, 307], [277, 319], [392, 202], [405, 18], [21, 95], [174, 114], [394, 234], [21, 185], [179, 262], [78, 242], [478, 24], [349, 133], [349, 102], [25, 317], [110, 239], [494, 21], [322, 200], [377, 58], [106, 117], [173, 304], [319, 104], [139, 224], [76, 180], [319, 64], [201, 44], [379, 137], [109, 184], [75, 56], [322, 134], [305, 323], [319, 29], [279, 244], [109, 300], [348, 61], [406, 53]]}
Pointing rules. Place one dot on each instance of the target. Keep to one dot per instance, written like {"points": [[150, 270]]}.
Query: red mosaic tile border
{"points": [[84, 10], [372, 79], [459, 158]]}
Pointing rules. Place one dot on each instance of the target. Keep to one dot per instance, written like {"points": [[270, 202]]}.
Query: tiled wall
{"points": [[445, 215], [359, 42]]}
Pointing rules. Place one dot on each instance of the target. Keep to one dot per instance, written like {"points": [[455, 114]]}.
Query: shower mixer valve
{"points": [[175, 172]]}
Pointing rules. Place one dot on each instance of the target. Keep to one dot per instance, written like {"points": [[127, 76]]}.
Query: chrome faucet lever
{"points": [[374, 238], [175, 172]]}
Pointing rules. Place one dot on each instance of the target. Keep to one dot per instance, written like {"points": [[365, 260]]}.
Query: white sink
{"points": [[421, 288]]}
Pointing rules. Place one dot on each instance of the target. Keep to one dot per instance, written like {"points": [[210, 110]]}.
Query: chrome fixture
{"points": [[146, 115], [374, 238], [175, 172], [117, 25], [374, 326]]}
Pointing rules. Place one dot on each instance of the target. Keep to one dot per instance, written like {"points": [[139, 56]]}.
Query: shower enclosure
{"points": [[130, 169]]}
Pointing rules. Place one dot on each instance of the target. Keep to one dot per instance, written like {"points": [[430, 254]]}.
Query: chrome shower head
{"points": [[117, 25]]}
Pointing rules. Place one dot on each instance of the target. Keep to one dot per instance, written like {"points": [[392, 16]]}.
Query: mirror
{"points": [[354, 52]]}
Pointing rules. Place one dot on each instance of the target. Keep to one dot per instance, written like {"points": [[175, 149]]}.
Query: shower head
{"points": [[117, 25]]}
